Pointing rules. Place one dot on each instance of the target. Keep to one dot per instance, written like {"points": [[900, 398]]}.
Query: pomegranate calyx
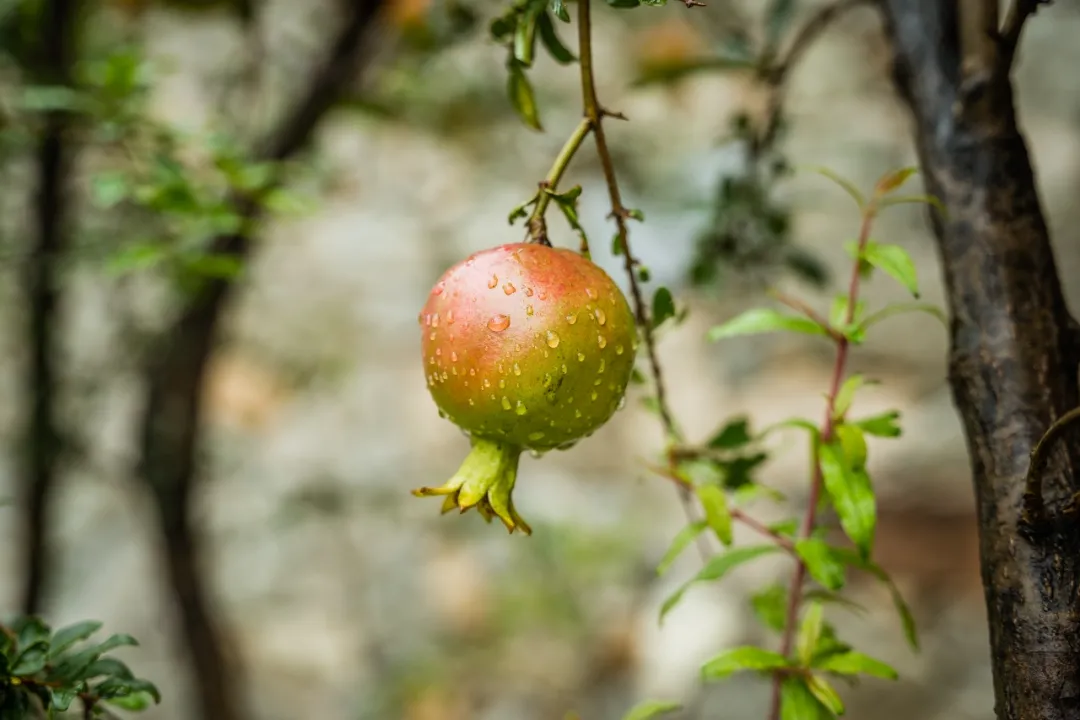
{"points": [[485, 480]]}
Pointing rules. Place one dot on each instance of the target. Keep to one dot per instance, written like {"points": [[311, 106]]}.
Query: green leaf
{"points": [[893, 180], [642, 272], [519, 211], [851, 495], [61, 698], [846, 395], [559, 8], [821, 563], [717, 513], [847, 185], [746, 658], [623, 4], [663, 306], [48, 98], [855, 663], [559, 52], [716, 568], [682, 540], [914, 200], [525, 34], [797, 423], [522, 97], [136, 701], [216, 265], [825, 694], [734, 434], [75, 665], [67, 636], [770, 606], [838, 313], [31, 660], [853, 443], [281, 201], [903, 308], [797, 702], [136, 257], [883, 425], [670, 72], [764, 320], [635, 214], [810, 632], [30, 630], [891, 259], [567, 203], [109, 667], [651, 709], [832, 598]]}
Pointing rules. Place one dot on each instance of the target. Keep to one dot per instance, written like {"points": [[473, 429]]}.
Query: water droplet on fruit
{"points": [[487, 383], [431, 361], [591, 293], [601, 370], [517, 369], [509, 288], [498, 323], [528, 292], [453, 358], [472, 372], [493, 281], [438, 290], [577, 413], [502, 383], [571, 318], [551, 397], [442, 414], [552, 339], [594, 395], [564, 369], [536, 454], [536, 435], [600, 316], [597, 382], [454, 369], [431, 336], [520, 409], [542, 294], [581, 357], [492, 396], [622, 403], [619, 350], [548, 379], [438, 351], [602, 340], [435, 320], [449, 317], [505, 402], [444, 376], [471, 401], [528, 309]]}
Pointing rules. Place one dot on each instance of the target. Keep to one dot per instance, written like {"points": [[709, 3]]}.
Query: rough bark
{"points": [[1014, 356], [170, 423], [42, 444]]}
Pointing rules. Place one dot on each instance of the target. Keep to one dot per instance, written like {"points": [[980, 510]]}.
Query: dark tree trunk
{"points": [[171, 422], [42, 442], [1014, 355]]}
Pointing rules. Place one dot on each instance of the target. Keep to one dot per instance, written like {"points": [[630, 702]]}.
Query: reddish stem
{"points": [[798, 575]]}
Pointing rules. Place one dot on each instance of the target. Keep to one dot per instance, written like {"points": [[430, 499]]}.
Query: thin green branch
{"points": [[536, 224], [798, 575]]}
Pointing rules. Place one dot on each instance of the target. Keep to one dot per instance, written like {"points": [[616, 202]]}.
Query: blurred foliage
{"points": [[44, 673]]}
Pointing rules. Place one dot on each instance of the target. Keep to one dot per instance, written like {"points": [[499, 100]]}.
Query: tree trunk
{"points": [[1014, 351]]}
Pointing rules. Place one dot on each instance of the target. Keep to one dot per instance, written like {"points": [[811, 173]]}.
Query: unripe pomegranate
{"points": [[524, 347]]}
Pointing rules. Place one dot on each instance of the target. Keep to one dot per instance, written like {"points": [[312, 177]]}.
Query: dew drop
{"points": [[431, 361], [493, 281], [431, 336], [551, 424], [577, 413], [571, 318], [509, 288], [591, 293], [601, 370], [438, 290], [520, 409], [492, 396], [454, 369], [453, 358], [517, 369], [438, 351], [581, 357], [622, 403], [471, 401], [600, 316], [472, 371], [444, 376], [594, 395], [528, 292], [528, 309], [449, 317], [536, 454], [597, 382], [442, 414], [602, 340], [435, 320], [505, 402], [502, 383], [551, 397], [619, 350], [498, 323], [548, 380], [487, 383], [552, 339], [536, 435], [542, 294], [564, 369]]}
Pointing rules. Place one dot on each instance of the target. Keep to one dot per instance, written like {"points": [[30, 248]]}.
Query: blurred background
{"points": [[344, 598]]}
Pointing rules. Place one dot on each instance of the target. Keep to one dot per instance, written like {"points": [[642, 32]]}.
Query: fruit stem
{"points": [[485, 480], [536, 225]]}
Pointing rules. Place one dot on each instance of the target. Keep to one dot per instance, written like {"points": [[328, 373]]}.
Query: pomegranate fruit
{"points": [[525, 347]]}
